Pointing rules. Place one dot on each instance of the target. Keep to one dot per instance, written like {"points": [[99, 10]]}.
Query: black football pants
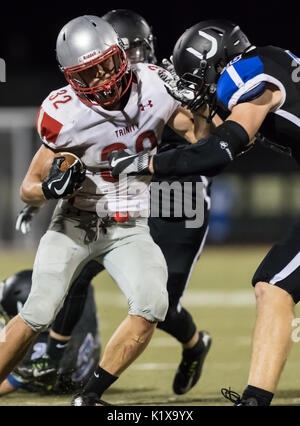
{"points": [[181, 247]]}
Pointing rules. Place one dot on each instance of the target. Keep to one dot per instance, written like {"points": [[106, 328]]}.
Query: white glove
{"points": [[171, 80], [25, 217]]}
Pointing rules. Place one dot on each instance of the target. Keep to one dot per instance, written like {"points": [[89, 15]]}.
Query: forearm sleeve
{"points": [[207, 157]]}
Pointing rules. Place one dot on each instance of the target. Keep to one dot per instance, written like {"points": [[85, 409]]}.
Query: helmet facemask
{"points": [[203, 82], [141, 50], [112, 63], [203, 51]]}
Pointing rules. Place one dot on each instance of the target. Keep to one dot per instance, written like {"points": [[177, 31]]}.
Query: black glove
{"points": [[61, 184], [122, 162], [23, 222]]}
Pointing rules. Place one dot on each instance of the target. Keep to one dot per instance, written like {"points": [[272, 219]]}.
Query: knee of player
{"points": [[161, 305], [267, 294], [36, 324], [172, 313], [152, 306], [171, 319], [38, 314], [260, 290]]}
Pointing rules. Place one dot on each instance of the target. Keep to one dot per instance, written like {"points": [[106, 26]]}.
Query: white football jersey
{"points": [[65, 123]]}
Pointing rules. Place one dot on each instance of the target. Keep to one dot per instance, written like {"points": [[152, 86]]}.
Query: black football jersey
{"points": [[171, 140], [245, 79]]}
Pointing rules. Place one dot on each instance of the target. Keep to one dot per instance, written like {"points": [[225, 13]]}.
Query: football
{"points": [[68, 161]]}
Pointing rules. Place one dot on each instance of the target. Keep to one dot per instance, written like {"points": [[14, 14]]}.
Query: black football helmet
{"points": [[135, 34], [202, 52], [14, 292]]}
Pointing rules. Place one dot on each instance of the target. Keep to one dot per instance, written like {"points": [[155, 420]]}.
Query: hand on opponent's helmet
{"points": [[60, 184], [171, 81], [184, 94]]}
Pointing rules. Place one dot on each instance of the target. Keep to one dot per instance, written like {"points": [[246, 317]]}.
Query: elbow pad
{"points": [[206, 157], [233, 134]]}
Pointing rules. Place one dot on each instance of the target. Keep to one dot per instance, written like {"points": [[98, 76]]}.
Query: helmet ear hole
{"points": [[219, 66]]}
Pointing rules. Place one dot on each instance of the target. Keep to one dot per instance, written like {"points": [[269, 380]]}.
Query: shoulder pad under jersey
{"points": [[241, 81], [54, 119]]}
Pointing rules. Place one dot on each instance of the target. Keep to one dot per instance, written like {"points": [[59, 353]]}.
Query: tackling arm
{"points": [[211, 155], [207, 157]]}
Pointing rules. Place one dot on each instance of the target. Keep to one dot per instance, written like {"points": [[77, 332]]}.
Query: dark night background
{"points": [[29, 30]]}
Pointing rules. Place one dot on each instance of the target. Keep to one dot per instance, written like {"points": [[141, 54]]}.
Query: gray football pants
{"points": [[127, 252]]}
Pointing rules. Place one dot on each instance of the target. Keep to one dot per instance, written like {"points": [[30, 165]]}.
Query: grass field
{"points": [[221, 301]]}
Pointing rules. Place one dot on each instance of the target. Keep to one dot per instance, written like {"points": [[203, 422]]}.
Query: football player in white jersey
{"points": [[106, 106]]}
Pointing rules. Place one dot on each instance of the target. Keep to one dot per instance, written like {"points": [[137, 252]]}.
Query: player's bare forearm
{"points": [[31, 192], [31, 189], [251, 115]]}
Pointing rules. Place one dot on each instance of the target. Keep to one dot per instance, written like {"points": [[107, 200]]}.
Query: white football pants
{"points": [[126, 250]]}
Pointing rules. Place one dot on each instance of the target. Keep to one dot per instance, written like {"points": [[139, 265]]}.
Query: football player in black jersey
{"points": [[181, 246], [79, 358], [258, 89]]}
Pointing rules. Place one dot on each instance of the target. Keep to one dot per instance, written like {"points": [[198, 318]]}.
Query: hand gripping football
{"points": [[65, 165]]}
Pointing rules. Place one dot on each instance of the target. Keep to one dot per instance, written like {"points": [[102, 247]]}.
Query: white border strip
{"points": [[39, 122], [288, 116], [205, 194], [251, 84], [235, 76], [192, 267], [288, 270]]}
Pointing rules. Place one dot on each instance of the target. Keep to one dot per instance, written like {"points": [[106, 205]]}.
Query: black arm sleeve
{"points": [[207, 157]]}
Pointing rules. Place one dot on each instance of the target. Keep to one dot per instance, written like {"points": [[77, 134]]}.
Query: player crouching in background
{"points": [[80, 356]]}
